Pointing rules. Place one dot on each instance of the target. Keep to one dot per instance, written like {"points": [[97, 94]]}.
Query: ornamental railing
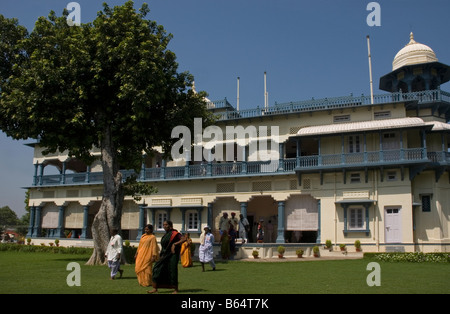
{"points": [[343, 102]]}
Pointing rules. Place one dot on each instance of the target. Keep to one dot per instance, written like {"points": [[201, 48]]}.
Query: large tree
{"points": [[111, 84]]}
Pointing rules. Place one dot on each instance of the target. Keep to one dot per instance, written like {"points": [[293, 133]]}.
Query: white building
{"points": [[348, 170]]}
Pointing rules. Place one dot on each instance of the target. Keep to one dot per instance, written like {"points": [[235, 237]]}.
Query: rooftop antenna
{"points": [[370, 70], [237, 104], [266, 95]]}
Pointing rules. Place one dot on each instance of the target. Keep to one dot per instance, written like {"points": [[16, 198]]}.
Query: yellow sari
{"points": [[186, 254], [147, 253]]}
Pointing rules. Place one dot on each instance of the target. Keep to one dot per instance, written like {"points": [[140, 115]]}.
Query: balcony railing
{"points": [[351, 101], [260, 168], [208, 170], [387, 157]]}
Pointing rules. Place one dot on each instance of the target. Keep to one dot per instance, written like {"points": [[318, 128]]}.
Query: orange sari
{"points": [[147, 253], [186, 254]]}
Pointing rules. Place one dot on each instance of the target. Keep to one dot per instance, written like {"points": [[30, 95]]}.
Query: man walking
{"points": [[113, 253]]}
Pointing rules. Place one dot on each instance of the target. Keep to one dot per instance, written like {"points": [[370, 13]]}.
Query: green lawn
{"points": [[25, 272]]}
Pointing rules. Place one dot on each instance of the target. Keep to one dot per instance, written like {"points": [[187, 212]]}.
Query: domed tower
{"points": [[415, 68]]}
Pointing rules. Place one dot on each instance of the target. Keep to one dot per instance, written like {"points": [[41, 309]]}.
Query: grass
{"points": [[45, 273]]}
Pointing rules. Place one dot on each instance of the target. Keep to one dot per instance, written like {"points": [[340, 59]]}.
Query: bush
{"points": [[417, 257], [44, 249]]}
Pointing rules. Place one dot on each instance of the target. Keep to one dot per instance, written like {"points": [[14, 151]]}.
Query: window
{"points": [[354, 144], [343, 118], [381, 115], [355, 178], [192, 221], [160, 218], [357, 219], [392, 176], [426, 203]]}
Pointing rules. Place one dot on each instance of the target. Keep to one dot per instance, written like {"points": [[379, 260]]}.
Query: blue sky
{"points": [[309, 48]]}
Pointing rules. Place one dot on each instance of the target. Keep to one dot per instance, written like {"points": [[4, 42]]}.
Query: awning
{"points": [[363, 126]]}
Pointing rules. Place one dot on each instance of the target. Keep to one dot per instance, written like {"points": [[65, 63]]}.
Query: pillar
{"points": [[31, 224], [60, 229], [84, 230], [37, 222], [318, 239], [141, 221], [210, 215], [244, 209], [281, 219]]}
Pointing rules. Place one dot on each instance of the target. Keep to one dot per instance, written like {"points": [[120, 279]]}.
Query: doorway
{"points": [[392, 225]]}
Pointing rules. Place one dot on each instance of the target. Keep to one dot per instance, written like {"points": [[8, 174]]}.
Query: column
{"points": [[318, 221], [41, 174], [281, 158], [244, 209], [31, 224], [60, 229], [35, 177], [85, 222], [210, 215], [63, 173], [281, 219], [141, 220], [37, 222]]}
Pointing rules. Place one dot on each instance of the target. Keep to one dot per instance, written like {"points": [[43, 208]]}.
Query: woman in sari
{"points": [[146, 254], [225, 245], [186, 252], [165, 270]]}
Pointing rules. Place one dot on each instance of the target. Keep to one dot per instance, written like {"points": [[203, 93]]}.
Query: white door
{"points": [[393, 225]]}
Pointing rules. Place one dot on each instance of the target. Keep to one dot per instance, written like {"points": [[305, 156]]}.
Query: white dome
{"points": [[413, 53]]}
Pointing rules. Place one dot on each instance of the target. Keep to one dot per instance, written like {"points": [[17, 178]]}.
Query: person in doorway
{"points": [[224, 223], [244, 227], [233, 237], [205, 252], [260, 232], [165, 270], [225, 245], [269, 229], [234, 221], [113, 253], [147, 253]]}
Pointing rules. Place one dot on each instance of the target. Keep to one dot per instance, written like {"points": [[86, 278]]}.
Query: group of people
{"points": [[230, 229], [159, 267]]}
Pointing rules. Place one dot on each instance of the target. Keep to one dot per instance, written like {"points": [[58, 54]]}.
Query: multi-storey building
{"points": [[374, 169]]}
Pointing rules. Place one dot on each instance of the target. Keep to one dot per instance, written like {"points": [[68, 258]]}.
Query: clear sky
{"points": [[309, 48]]}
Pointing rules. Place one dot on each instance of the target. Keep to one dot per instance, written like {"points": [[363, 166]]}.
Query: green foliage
{"points": [[281, 249], [72, 84], [328, 244], [416, 257], [44, 249]]}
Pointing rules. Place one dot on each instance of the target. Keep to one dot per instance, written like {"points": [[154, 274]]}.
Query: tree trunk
{"points": [[110, 212]]}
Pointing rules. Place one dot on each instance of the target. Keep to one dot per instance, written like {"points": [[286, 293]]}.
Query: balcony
{"points": [[432, 98], [362, 160], [416, 159], [188, 172]]}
